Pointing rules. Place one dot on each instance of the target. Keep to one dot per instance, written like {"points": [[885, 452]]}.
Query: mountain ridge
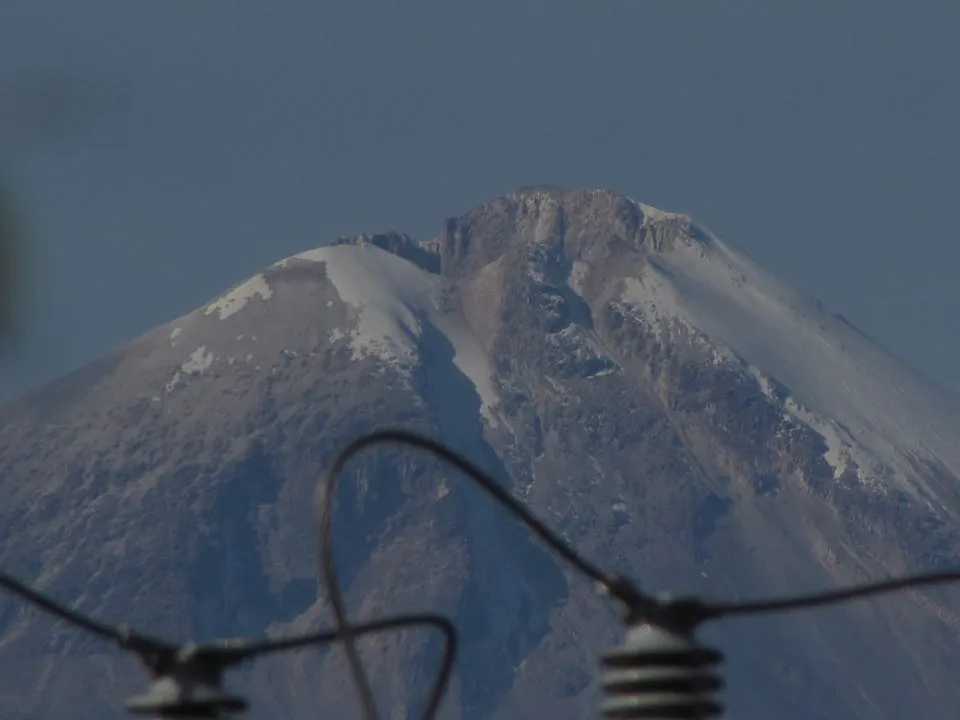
{"points": [[552, 336]]}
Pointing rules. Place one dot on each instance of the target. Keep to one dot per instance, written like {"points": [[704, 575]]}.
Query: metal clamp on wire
{"points": [[189, 685]]}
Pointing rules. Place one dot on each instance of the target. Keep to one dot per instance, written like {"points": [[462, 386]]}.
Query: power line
{"points": [[660, 671], [831, 597], [187, 680]]}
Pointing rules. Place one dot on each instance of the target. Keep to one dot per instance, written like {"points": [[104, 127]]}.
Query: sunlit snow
{"points": [[394, 298], [200, 359], [198, 362], [233, 301], [655, 214], [862, 399], [579, 271]]}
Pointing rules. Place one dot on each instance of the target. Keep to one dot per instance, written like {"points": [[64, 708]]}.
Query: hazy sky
{"points": [[199, 140]]}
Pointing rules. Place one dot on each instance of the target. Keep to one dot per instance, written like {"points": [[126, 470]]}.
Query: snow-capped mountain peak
{"points": [[667, 406]]}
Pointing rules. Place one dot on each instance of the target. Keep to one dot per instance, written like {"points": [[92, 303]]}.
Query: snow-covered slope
{"points": [[880, 418], [871, 407], [393, 298]]}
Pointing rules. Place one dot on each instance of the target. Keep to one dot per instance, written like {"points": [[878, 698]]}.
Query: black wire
{"points": [[249, 650], [118, 634], [613, 584], [713, 610], [239, 651]]}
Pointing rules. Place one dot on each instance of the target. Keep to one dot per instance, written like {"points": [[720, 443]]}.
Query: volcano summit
{"points": [[673, 410]]}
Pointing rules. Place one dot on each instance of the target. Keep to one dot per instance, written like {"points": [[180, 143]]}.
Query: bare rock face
{"points": [[675, 412]]}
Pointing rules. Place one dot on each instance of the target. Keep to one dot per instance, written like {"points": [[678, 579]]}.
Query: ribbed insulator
{"points": [[658, 674]]}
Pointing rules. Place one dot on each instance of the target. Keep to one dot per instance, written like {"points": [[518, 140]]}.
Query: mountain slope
{"points": [[863, 400], [669, 407]]}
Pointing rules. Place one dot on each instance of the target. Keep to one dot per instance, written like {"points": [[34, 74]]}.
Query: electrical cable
{"points": [[716, 610], [440, 622], [120, 634], [614, 585], [190, 662], [62, 612], [191, 685], [251, 649]]}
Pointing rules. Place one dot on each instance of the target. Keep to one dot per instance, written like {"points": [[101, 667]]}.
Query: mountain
{"points": [[674, 411]]}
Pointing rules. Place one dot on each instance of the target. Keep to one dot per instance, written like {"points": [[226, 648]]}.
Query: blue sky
{"points": [[203, 139]]}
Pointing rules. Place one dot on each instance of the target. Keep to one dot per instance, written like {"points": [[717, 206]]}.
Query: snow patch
{"points": [[659, 304], [579, 271], [602, 373], [653, 214], [386, 295], [840, 448], [556, 386], [393, 298], [546, 208], [233, 302], [199, 361], [597, 468], [175, 333], [172, 383], [653, 295]]}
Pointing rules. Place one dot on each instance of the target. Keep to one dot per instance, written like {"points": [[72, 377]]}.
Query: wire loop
{"points": [[615, 585]]}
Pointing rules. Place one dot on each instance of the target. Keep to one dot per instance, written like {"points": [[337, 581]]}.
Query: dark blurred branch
{"points": [[9, 265], [38, 106]]}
